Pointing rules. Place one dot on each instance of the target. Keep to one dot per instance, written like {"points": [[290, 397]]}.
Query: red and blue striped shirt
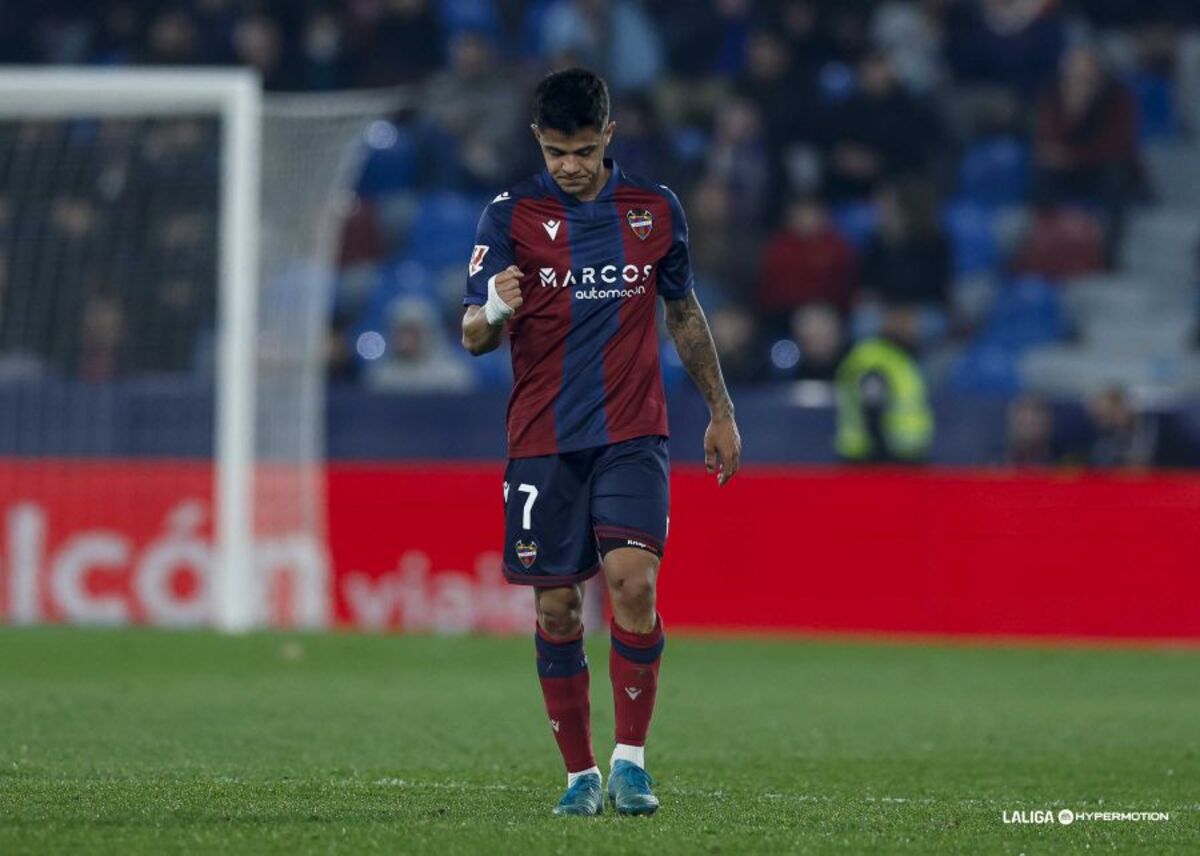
{"points": [[584, 342]]}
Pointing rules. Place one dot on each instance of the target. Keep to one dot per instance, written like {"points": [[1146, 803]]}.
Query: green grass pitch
{"points": [[137, 741]]}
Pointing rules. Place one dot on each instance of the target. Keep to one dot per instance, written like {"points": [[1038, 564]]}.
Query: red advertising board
{"points": [[417, 547], [798, 549]]}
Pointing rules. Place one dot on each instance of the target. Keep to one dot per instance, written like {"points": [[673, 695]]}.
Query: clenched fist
{"points": [[504, 295]]}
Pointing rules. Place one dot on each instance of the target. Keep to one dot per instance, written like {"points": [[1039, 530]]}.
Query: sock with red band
{"points": [[633, 667], [563, 671]]}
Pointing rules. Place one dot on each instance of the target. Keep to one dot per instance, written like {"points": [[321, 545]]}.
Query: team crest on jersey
{"points": [[476, 264], [527, 552], [641, 222]]}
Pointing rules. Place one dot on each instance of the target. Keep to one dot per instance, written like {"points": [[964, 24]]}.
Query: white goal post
{"points": [[270, 274], [235, 96]]}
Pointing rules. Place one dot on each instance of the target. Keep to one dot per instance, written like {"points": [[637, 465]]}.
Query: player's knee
{"points": [[634, 591], [560, 624], [560, 615]]}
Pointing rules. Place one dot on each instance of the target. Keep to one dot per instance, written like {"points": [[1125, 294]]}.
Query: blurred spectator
{"points": [[1062, 241], [165, 324], [845, 26], [1011, 44], [1115, 435], [615, 37], [417, 356], [883, 412], [773, 83], [341, 364], [640, 145], [216, 21], [786, 100], [173, 39], [396, 41], [362, 239], [1154, 81], [1118, 437], [910, 35], [117, 40], [1085, 146], [325, 63], [908, 261], [739, 159], [881, 132], [703, 42], [798, 23], [723, 249], [820, 337], [258, 43], [736, 339], [474, 106], [806, 262], [1030, 436], [101, 352]]}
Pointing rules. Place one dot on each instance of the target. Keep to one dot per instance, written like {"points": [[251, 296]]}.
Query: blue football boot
{"points": [[584, 798], [629, 789]]}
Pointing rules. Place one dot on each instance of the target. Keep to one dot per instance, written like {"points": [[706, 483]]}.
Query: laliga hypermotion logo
{"points": [[527, 552]]}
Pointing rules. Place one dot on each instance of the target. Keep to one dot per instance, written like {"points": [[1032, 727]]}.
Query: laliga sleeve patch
{"points": [[477, 255]]}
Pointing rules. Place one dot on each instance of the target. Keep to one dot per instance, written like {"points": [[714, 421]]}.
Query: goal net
{"points": [[167, 245]]}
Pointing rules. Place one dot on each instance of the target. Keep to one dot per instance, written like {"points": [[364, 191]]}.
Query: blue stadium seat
{"points": [[390, 168], [1027, 312], [836, 82], [1158, 116], [400, 278], [477, 16], [531, 27], [443, 230], [857, 221], [986, 370], [995, 171], [972, 231]]}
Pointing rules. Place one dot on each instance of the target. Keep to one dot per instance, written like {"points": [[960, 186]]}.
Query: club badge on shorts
{"points": [[527, 552], [641, 222]]}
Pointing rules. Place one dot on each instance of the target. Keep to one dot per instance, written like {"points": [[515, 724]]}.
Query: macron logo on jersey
{"points": [[551, 227]]}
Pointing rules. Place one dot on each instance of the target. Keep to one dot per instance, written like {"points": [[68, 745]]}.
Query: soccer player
{"points": [[571, 261]]}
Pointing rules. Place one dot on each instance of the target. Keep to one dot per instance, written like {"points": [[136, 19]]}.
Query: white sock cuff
{"points": [[571, 777], [632, 754]]}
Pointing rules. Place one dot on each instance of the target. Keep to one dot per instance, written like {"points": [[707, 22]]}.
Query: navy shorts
{"points": [[563, 513]]}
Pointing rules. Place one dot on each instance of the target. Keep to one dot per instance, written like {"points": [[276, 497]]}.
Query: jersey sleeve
{"points": [[675, 277], [492, 253]]}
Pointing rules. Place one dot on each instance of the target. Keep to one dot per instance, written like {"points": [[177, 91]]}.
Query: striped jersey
{"points": [[584, 342]]}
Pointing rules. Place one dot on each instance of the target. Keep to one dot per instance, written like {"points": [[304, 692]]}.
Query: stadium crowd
{"points": [[957, 158]]}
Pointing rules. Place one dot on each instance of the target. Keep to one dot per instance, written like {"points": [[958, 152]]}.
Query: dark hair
{"points": [[571, 99]]}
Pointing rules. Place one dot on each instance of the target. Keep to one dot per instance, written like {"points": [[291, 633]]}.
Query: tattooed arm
{"points": [[689, 329]]}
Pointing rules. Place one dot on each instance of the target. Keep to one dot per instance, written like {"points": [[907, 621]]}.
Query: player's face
{"points": [[576, 161]]}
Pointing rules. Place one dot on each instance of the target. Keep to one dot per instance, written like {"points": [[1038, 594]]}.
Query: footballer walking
{"points": [[572, 261]]}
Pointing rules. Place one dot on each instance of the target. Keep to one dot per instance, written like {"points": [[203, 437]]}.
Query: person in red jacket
{"points": [[806, 262], [1086, 140]]}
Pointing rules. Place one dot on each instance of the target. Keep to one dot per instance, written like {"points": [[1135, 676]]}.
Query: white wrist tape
{"points": [[496, 310]]}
